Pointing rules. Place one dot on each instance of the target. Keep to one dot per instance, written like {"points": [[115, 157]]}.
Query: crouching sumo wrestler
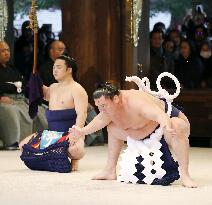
{"points": [[150, 125]]}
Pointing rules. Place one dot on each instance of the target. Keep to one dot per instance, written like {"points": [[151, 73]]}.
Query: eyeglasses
{"points": [[199, 33]]}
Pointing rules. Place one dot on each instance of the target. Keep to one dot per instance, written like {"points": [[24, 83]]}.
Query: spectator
{"points": [[160, 60], [15, 123], [200, 35], [160, 26], [23, 51], [169, 49], [195, 18], [157, 63], [199, 16], [56, 49], [175, 36], [205, 55], [188, 67]]}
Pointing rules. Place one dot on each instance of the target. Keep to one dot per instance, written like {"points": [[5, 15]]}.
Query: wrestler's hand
{"points": [[72, 139], [77, 131]]}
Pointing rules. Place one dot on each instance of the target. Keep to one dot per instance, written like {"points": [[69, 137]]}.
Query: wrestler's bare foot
{"points": [[74, 164], [188, 182], [106, 175]]}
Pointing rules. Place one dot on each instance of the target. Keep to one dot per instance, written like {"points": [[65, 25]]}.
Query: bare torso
{"points": [[60, 97]]}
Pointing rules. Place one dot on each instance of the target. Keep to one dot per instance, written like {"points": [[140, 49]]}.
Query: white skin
{"points": [[136, 114], [67, 94]]}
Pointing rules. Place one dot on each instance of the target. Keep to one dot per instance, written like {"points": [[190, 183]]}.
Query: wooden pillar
{"points": [[134, 55], [143, 54], [92, 32], [127, 46], [9, 36]]}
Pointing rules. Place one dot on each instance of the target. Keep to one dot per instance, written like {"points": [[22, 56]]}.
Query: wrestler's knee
{"points": [[76, 151], [73, 154]]}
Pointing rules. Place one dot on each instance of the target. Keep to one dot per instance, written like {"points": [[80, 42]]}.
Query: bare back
{"points": [[129, 115]]}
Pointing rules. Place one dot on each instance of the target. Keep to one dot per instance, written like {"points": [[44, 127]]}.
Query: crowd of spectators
{"points": [[183, 50]]}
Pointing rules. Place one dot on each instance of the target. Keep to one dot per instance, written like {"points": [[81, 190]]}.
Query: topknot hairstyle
{"points": [[107, 90]]}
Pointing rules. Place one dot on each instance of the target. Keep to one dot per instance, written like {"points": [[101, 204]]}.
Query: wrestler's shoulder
{"points": [[53, 85], [76, 87]]}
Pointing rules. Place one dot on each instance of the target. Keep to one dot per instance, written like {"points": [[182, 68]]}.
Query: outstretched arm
{"points": [[99, 122]]}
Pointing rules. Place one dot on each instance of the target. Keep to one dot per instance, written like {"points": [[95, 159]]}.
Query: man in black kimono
{"points": [[15, 123]]}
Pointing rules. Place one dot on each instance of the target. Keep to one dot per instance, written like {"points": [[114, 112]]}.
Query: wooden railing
{"points": [[197, 106]]}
